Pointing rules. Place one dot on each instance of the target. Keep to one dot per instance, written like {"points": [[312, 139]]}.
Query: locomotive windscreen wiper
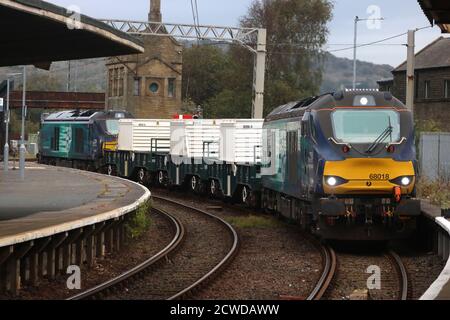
{"points": [[383, 136]]}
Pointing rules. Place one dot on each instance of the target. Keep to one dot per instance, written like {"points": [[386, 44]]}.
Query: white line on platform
{"points": [[436, 288]]}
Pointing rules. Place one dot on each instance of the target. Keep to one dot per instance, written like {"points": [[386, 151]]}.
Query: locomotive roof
{"points": [[332, 100], [76, 115]]}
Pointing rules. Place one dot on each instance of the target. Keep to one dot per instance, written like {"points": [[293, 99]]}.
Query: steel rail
{"points": [[329, 271], [400, 267], [177, 240], [180, 233], [227, 259]]}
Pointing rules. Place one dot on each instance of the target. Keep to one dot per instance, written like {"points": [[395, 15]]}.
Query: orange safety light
{"points": [[397, 194]]}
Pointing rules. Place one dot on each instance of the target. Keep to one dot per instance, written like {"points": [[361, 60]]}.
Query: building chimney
{"points": [[155, 11]]}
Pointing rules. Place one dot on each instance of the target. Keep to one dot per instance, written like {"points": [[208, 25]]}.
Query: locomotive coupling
{"points": [[334, 207]]}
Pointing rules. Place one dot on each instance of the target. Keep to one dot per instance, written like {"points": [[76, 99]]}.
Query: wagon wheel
{"points": [[195, 183], [214, 189], [161, 178], [245, 195], [109, 170], [141, 176]]}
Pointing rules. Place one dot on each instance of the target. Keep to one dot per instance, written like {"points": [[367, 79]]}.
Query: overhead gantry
{"points": [[254, 39]]}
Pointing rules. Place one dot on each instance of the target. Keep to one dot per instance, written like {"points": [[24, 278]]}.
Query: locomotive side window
{"points": [[365, 126], [270, 143], [292, 154], [79, 140], [305, 126], [270, 153], [312, 127], [55, 139]]}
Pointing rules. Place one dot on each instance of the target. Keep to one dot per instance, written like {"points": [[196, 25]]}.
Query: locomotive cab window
{"points": [[365, 126], [112, 126]]}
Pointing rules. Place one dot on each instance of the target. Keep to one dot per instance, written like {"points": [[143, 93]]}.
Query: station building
{"points": [[149, 84], [432, 83]]}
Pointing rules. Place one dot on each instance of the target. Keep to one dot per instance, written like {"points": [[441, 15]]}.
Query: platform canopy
{"points": [[438, 12], [37, 32]]}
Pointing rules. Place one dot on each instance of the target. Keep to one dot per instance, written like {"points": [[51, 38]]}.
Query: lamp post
{"points": [[357, 19], [7, 119], [6, 148], [410, 72], [22, 149]]}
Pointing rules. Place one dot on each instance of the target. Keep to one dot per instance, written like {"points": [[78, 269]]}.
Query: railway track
{"points": [[329, 260], [402, 274], [353, 273], [202, 246], [330, 265], [195, 280], [328, 273]]}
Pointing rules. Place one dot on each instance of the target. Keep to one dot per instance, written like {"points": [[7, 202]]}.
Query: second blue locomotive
{"points": [[77, 138]]}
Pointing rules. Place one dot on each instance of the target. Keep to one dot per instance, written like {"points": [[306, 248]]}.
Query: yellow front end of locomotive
{"points": [[368, 176]]}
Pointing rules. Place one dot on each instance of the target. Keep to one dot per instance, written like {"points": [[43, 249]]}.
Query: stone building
{"points": [[432, 83], [149, 84], [386, 84]]}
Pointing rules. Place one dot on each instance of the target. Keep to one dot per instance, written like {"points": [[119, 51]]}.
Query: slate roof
{"points": [[435, 55]]}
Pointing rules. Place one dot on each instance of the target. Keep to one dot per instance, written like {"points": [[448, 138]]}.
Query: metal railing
{"points": [[434, 155]]}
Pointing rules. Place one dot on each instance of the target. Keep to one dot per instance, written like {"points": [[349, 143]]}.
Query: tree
{"points": [[203, 73], [221, 79], [297, 30]]}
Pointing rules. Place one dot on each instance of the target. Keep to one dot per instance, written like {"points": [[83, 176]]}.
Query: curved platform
{"points": [[440, 289], [52, 200]]}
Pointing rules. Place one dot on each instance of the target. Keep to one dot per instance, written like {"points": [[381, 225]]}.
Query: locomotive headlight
{"points": [[406, 181], [332, 181], [364, 101]]}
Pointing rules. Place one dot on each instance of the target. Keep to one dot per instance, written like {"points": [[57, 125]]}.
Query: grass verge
{"points": [[254, 222], [438, 192], [140, 222]]}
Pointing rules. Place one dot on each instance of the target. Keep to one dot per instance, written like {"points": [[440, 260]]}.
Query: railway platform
{"points": [[440, 289], [57, 212]]}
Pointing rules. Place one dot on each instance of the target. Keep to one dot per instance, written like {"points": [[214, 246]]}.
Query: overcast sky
{"points": [[400, 15]]}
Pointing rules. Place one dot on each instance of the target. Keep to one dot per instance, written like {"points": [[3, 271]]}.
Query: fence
{"points": [[435, 155]]}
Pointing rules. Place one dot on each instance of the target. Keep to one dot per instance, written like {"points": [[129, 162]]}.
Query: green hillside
{"points": [[338, 73], [90, 75]]}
